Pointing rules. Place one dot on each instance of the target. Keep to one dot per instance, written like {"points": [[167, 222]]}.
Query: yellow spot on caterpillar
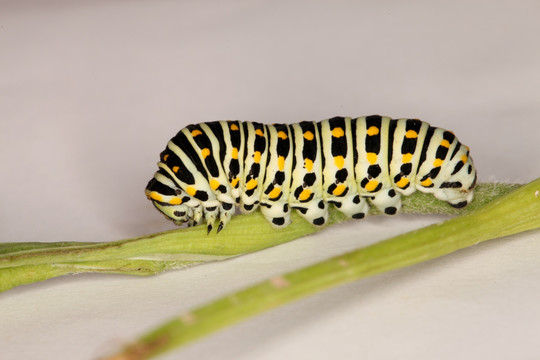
{"points": [[338, 132], [438, 162], [282, 135], [155, 196], [205, 152], [406, 158], [214, 184], [373, 130], [251, 184], [259, 132], [426, 182], [402, 182], [445, 143], [234, 182], [339, 190], [411, 134], [372, 185], [279, 282], [175, 201], [308, 135], [191, 190], [281, 163], [372, 158], [339, 161], [304, 195], [308, 164], [234, 127], [165, 157], [274, 193], [257, 157], [234, 154], [464, 158], [175, 169], [196, 132]]}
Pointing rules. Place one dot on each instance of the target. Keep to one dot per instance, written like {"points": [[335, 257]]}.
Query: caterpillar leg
{"points": [[247, 208], [355, 206], [316, 211], [210, 215], [226, 211], [459, 203], [387, 201], [278, 213]]}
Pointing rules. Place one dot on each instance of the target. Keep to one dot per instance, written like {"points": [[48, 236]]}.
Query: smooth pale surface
{"points": [[90, 92]]}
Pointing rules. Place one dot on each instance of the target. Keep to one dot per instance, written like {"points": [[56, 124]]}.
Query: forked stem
{"points": [[516, 212], [25, 263]]}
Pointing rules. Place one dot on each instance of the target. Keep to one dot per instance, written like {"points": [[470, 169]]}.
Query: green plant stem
{"points": [[25, 263], [511, 214], [148, 255]]}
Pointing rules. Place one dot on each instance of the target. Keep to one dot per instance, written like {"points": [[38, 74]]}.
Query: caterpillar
{"points": [[209, 169]]}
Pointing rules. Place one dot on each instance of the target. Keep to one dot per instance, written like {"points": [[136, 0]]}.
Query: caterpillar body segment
{"points": [[209, 169]]}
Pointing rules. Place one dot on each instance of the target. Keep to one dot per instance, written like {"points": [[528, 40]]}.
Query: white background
{"points": [[90, 92]]}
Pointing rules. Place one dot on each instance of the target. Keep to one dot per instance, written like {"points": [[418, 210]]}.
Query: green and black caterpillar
{"points": [[208, 169]]}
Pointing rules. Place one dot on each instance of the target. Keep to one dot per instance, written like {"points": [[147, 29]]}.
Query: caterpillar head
{"points": [[178, 214], [169, 202]]}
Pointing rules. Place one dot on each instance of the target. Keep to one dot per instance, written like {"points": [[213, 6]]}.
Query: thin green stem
{"points": [[516, 212], [25, 263]]}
